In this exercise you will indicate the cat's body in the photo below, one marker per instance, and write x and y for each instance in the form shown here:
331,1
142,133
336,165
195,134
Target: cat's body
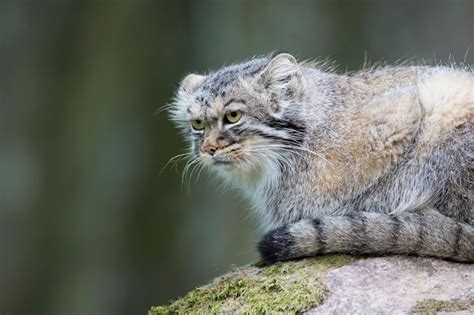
377,162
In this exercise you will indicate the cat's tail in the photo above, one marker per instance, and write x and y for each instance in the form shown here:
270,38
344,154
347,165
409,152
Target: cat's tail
424,233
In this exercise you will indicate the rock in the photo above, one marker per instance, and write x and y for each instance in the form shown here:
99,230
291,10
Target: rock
397,285
337,284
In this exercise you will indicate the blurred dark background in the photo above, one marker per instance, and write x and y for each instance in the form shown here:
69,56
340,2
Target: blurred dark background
88,223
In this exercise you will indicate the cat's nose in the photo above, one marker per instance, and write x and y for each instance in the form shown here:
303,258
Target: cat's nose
209,148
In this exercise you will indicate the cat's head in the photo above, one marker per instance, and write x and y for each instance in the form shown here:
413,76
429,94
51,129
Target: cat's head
244,117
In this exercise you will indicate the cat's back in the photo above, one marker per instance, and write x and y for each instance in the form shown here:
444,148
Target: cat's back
380,80
445,95
413,115
447,98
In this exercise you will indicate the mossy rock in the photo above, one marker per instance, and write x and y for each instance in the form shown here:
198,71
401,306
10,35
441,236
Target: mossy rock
336,285
290,287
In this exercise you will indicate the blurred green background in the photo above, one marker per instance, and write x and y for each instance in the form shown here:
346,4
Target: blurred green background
88,223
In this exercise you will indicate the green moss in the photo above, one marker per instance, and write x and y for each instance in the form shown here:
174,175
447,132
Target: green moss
321,263
283,287
331,261
433,306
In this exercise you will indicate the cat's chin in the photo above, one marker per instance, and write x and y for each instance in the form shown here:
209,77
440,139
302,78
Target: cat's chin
222,163
218,163
240,173
225,166
237,170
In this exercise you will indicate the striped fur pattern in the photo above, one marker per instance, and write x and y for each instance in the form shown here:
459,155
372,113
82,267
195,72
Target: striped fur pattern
375,162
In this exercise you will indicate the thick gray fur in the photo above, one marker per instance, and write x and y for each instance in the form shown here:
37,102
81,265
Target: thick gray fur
375,162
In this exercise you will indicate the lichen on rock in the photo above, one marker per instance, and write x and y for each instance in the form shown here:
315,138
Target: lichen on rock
293,287
432,306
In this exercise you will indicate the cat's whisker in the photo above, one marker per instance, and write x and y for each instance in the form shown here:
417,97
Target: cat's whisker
201,168
194,167
292,146
174,160
189,164
162,109
196,170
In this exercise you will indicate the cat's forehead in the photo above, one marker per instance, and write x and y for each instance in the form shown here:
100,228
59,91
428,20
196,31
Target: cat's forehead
206,107
212,96
218,83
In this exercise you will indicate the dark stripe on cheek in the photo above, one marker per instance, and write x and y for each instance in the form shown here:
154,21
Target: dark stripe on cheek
273,122
285,124
266,135
295,129
240,130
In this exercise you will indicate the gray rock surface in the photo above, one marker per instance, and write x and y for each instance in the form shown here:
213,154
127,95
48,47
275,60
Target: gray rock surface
394,285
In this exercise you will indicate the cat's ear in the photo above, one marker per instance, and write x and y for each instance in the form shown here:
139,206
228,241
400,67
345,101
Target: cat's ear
282,78
190,82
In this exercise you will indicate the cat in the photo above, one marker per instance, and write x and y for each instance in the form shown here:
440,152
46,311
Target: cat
376,162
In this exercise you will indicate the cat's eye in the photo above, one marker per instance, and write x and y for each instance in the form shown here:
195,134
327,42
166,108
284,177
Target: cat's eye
233,116
197,124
